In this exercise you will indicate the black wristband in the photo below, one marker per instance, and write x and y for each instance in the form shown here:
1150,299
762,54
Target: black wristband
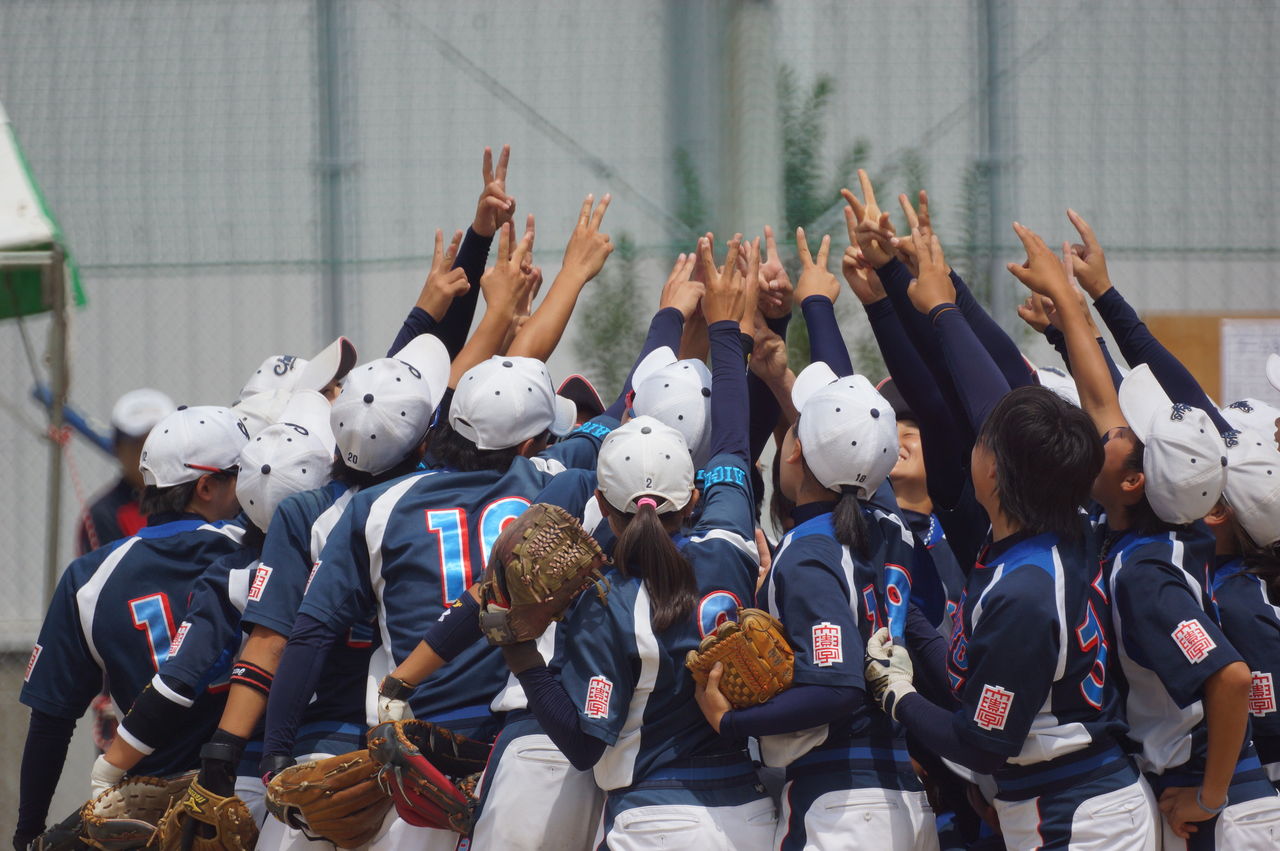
224,747
252,676
273,764
395,688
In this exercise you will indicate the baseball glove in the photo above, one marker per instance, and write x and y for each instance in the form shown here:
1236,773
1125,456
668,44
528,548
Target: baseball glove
337,799
758,662
66,835
429,772
125,815
233,826
538,565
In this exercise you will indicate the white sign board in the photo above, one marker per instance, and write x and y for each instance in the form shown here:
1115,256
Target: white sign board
1245,346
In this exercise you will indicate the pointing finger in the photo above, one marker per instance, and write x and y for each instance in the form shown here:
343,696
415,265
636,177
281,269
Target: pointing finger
503,159
802,246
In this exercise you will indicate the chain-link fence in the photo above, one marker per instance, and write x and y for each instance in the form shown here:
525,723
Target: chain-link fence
238,179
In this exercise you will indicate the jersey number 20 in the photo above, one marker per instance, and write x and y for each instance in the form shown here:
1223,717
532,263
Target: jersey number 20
450,527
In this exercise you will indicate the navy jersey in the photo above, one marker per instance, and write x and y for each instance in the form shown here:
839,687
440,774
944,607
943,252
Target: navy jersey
1251,623
1168,642
406,549
831,601
299,530
938,580
629,683
209,637
116,612
1028,659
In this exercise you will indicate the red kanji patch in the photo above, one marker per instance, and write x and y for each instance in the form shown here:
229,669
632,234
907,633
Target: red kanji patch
31,663
260,578
828,648
1262,694
599,690
178,638
1193,640
993,708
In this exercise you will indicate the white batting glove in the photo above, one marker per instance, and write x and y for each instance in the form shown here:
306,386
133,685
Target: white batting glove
889,671
393,709
103,775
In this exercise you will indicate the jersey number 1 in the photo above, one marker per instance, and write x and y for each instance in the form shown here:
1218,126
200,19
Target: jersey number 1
450,528
151,615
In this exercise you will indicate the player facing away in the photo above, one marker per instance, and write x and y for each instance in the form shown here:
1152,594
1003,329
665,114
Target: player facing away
293,455
622,701
849,780
116,610
1034,702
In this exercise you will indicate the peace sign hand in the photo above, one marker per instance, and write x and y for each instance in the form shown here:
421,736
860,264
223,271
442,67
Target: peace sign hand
495,207
588,248
815,278
932,285
868,226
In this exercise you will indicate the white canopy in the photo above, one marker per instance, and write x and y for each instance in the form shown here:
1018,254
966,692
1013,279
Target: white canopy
24,222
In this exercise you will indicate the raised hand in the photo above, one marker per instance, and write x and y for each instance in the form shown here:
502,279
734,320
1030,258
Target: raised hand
588,248
769,356
815,278
506,285
444,283
776,292
751,304
726,296
1087,260
862,279
905,248
932,285
1035,312
681,291
495,207
1042,272
868,225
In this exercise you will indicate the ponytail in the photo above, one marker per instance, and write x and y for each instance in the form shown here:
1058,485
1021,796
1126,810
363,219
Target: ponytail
645,549
849,524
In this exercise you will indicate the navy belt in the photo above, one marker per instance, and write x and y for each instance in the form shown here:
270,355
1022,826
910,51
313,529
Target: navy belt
1017,782
722,771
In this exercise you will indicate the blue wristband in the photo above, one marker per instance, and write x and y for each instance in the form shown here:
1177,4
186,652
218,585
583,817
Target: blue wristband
1226,799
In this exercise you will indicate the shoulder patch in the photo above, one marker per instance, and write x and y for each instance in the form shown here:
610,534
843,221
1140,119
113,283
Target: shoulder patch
993,708
31,663
599,689
1262,694
1193,640
828,648
260,579
178,637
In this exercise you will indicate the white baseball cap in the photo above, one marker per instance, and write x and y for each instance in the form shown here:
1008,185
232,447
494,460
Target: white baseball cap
504,401
386,405
190,443
291,456
289,372
847,430
1057,380
678,393
1251,414
645,457
261,409
1253,483
136,412
1185,460
1273,370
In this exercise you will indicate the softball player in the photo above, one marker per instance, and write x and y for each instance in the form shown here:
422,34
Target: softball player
115,611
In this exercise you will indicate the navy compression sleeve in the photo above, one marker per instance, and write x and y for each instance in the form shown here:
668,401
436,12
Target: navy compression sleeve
455,325
935,729
993,338
48,737
825,342
457,629
928,652
975,374
728,392
800,707
664,330
417,323
1138,345
558,716
764,407
295,681
1059,342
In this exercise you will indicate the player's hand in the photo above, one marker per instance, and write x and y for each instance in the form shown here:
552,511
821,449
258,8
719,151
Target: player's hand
1087,259
506,285
393,709
750,259
869,227
104,775
766,559
889,671
681,291
768,356
712,703
932,285
444,283
1042,271
1035,312
862,279
726,295
815,277
905,248
1181,809
588,248
776,292
495,207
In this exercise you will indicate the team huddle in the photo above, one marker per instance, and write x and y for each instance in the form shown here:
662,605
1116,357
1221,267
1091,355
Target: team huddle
434,600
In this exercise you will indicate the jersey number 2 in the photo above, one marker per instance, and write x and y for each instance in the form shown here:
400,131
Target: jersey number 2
450,528
151,615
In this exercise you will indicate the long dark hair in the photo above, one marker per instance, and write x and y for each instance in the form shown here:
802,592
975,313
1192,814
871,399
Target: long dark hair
459,453
645,549
849,525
